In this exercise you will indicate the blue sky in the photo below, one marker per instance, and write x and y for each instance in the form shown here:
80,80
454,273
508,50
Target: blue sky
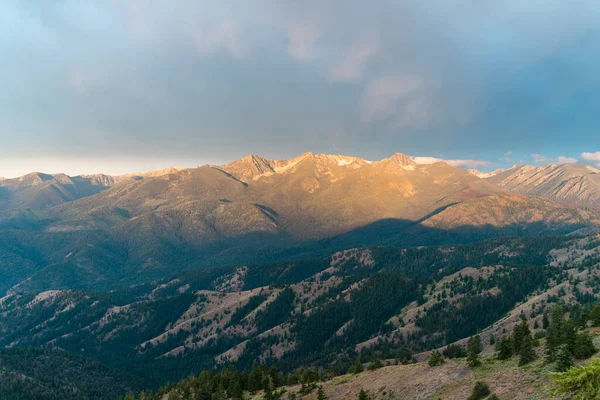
130,85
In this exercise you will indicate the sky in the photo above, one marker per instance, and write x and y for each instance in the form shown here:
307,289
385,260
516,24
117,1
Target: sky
119,86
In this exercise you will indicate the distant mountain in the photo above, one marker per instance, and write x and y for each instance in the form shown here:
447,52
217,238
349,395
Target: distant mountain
567,183
496,173
308,197
515,212
254,210
40,191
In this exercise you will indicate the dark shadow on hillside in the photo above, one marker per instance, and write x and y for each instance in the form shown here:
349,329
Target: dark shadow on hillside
100,260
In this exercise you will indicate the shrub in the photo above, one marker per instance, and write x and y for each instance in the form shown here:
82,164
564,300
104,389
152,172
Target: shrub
455,351
578,383
480,391
375,364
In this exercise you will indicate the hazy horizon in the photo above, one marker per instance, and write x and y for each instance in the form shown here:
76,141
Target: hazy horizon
116,167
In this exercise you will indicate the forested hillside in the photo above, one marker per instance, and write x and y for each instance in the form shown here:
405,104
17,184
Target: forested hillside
378,302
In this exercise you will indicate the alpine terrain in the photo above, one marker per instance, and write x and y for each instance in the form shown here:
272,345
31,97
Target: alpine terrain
282,276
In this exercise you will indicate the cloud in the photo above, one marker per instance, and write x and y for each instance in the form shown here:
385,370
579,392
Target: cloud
469,164
566,160
381,96
227,78
541,159
222,36
302,36
594,158
507,157
351,66
78,82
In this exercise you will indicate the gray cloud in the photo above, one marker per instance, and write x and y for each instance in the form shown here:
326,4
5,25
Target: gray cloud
215,80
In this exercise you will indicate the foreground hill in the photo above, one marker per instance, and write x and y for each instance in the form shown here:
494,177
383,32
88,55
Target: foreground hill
56,375
379,302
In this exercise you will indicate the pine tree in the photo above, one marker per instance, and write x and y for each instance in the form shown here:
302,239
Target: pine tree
375,364
595,315
435,359
569,334
235,389
584,347
321,393
363,395
473,354
475,341
554,333
526,352
564,360
173,395
454,351
504,348
269,395
356,368
255,379
519,332
480,391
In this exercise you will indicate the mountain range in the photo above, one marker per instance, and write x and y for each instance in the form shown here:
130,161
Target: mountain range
144,278
102,231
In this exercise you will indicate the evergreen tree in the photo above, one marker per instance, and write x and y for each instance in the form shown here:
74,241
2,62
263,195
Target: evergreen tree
526,352
584,347
564,360
520,331
554,333
504,348
545,321
569,334
173,395
475,341
455,351
321,393
480,391
363,395
356,368
255,379
595,315
473,354
375,364
435,359
269,395
235,390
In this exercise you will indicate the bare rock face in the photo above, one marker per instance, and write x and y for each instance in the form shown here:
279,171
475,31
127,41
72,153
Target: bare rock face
310,196
569,183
